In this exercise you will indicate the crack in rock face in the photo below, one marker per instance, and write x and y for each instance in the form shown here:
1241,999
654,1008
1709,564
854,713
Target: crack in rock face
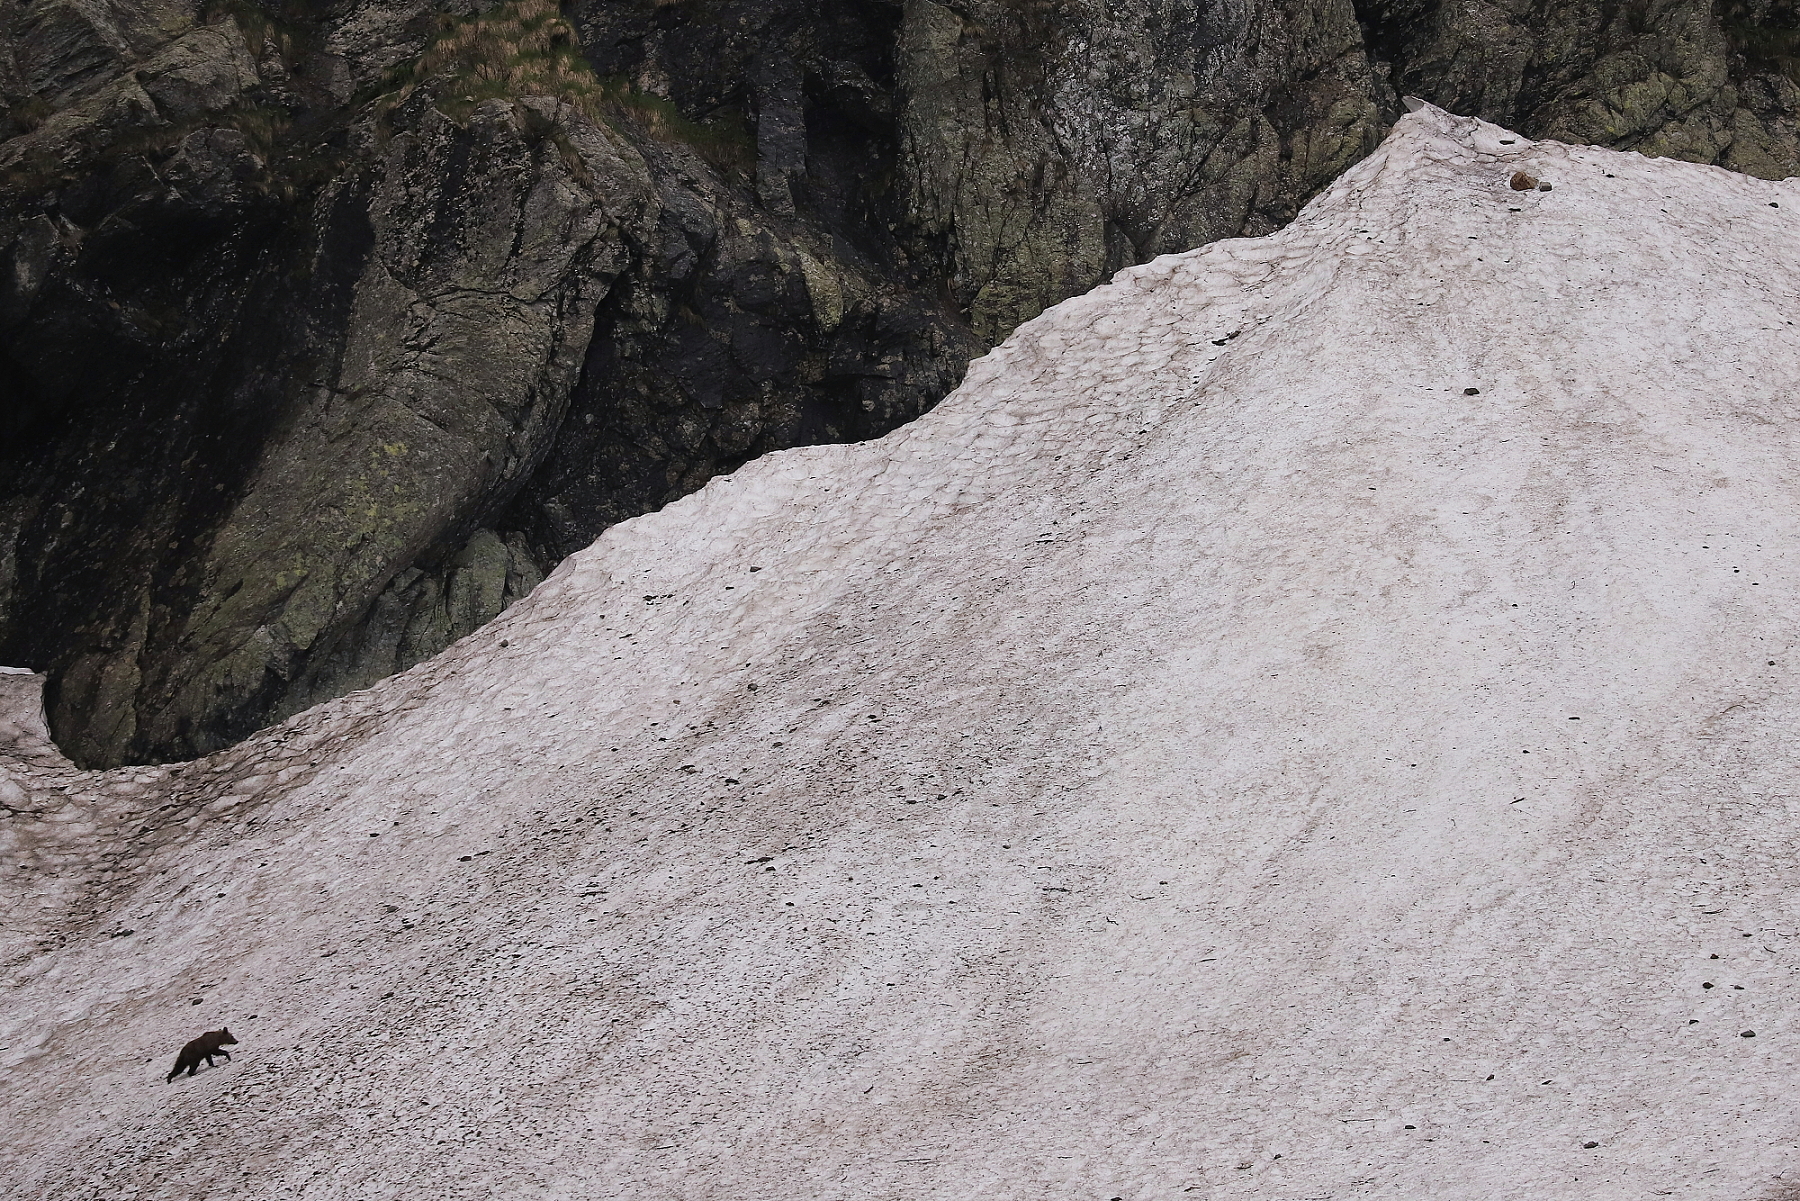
1291,718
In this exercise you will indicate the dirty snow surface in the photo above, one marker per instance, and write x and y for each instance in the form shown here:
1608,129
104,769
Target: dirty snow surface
1313,718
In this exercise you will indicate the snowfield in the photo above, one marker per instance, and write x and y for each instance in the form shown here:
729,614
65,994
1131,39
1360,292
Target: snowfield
1309,719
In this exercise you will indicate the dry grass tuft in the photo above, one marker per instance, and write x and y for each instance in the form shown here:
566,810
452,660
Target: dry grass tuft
522,48
527,48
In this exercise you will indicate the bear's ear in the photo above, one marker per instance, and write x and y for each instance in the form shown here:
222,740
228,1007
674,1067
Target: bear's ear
225,1030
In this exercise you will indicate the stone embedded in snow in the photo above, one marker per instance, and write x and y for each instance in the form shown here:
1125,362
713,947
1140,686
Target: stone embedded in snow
1136,744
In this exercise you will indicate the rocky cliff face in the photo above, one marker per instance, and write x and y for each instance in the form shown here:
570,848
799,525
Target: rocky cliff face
327,329
1710,83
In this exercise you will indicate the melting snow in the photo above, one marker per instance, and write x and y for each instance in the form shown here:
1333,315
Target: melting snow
1300,721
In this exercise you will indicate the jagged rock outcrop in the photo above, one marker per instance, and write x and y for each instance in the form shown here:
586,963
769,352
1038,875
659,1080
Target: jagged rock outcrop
1710,83
281,366
327,329
1048,145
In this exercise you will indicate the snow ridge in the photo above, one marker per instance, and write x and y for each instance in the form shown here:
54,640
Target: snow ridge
1300,720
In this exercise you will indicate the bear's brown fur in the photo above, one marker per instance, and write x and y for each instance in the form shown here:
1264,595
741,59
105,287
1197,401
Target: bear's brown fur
205,1047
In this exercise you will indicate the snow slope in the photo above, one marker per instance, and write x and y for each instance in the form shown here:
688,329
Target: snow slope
1216,753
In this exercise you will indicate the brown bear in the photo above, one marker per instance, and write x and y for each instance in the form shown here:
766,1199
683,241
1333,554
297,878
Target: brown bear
211,1043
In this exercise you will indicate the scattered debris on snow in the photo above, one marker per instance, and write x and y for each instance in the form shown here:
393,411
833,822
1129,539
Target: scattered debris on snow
1154,771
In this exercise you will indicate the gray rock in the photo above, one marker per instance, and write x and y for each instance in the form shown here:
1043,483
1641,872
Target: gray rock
1674,78
1045,148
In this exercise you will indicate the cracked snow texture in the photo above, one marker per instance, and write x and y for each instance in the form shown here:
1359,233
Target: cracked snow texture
1213,753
